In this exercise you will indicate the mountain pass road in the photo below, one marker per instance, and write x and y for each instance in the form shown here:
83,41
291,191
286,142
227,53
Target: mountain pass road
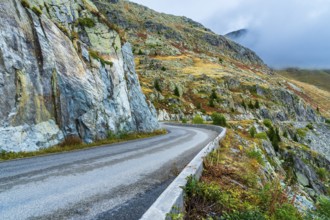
119,181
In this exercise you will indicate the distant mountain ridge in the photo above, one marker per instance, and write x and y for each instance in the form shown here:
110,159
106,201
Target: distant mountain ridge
236,35
162,34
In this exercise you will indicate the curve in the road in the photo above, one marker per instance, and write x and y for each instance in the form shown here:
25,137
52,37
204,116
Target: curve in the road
99,182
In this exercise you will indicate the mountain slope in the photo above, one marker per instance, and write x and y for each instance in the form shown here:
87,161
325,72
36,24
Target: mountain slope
187,70
64,74
314,83
161,34
318,78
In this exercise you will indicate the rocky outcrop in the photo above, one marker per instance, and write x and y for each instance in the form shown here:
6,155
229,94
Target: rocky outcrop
175,35
64,72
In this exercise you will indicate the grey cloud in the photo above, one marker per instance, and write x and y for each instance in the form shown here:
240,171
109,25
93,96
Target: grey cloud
283,33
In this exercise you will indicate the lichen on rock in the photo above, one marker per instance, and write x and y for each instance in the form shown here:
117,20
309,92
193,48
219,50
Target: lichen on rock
51,90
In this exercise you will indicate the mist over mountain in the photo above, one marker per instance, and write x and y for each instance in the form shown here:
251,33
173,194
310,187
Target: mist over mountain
283,33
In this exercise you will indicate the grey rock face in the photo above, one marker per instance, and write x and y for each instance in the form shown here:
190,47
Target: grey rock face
307,176
317,139
50,89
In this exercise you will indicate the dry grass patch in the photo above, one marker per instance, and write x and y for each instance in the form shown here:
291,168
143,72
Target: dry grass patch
315,96
233,187
73,143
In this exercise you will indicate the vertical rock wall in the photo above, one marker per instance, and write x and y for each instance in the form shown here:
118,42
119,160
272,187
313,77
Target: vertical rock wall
60,77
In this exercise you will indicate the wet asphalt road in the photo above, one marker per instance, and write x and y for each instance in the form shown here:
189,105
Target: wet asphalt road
118,181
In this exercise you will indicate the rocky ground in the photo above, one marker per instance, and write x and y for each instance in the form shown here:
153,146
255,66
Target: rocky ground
187,70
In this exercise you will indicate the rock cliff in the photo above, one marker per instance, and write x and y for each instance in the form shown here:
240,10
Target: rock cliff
64,72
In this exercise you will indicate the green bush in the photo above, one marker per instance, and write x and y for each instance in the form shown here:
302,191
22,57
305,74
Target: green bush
261,135
287,211
246,215
268,123
140,52
327,121
25,3
253,131
295,138
123,135
322,173
198,120
243,104
184,121
285,134
322,209
213,95
111,135
310,126
274,137
255,155
176,91
256,104
157,85
250,105
211,103
163,68
87,22
219,119
37,11
301,132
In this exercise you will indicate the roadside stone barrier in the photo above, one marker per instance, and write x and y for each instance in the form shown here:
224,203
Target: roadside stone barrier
172,199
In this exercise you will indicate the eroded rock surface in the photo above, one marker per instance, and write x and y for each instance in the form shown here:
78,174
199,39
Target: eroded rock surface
62,77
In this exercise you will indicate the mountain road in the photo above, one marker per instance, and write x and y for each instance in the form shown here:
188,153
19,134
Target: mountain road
119,181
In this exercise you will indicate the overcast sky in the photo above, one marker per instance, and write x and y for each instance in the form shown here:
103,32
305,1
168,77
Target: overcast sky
284,33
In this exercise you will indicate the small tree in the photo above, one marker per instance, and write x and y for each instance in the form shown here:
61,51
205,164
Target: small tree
244,105
256,104
176,91
198,120
213,95
218,119
268,123
211,103
157,85
274,137
253,131
251,106
285,134
295,138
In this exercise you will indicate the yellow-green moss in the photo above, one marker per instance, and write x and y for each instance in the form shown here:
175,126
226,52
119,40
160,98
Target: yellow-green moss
37,10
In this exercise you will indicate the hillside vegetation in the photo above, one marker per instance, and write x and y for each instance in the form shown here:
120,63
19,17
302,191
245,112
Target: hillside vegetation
315,84
276,127
318,78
